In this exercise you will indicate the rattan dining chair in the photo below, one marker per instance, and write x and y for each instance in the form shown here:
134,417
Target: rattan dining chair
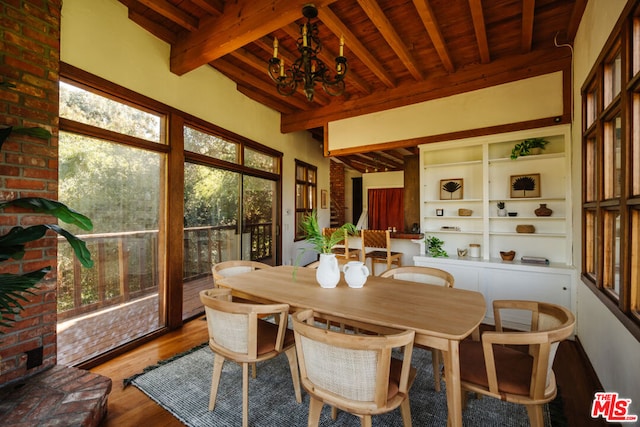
380,242
231,268
431,276
237,333
353,372
493,367
342,249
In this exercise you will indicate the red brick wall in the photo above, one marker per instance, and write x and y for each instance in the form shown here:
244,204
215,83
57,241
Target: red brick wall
336,190
29,58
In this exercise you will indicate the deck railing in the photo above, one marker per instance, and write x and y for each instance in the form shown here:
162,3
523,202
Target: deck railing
126,264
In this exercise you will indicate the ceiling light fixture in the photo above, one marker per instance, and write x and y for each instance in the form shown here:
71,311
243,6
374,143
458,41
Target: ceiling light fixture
308,69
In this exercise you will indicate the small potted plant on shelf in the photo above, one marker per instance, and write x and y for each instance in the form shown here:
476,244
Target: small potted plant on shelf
434,247
328,273
528,147
501,210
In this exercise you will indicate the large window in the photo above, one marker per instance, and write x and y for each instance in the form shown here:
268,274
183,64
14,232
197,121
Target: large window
611,173
306,193
110,169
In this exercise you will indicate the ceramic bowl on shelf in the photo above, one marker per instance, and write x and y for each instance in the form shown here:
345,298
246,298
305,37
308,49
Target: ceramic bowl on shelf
513,214
507,255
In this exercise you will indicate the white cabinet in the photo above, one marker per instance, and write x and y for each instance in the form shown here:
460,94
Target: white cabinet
487,174
505,280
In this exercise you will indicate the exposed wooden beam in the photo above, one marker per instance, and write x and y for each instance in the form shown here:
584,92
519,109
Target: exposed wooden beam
327,56
499,71
249,79
480,29
352,42
377,16
242,22
171,12
159,31
574,21
528,10
432,27
214,7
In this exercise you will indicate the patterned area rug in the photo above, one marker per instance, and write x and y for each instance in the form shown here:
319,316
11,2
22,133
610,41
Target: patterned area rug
181,385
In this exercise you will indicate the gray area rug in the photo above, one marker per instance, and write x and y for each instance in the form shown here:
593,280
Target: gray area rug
182,384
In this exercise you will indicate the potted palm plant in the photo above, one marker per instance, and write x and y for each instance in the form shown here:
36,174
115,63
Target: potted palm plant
528,147
328,273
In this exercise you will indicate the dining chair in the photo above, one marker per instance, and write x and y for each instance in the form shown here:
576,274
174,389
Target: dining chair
497,366
237,333
342,249
431,276
233,267
380,241
353,372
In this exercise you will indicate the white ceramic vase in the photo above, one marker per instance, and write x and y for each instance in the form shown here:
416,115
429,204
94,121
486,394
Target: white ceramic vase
355,274
328,272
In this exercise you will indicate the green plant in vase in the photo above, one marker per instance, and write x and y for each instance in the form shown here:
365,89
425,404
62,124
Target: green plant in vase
527,147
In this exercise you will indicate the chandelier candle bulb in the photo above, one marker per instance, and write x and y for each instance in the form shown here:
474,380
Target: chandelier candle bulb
304,35
282,68
342,45
275,47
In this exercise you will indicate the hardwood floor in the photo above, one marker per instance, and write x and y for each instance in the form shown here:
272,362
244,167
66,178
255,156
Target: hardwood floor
130,407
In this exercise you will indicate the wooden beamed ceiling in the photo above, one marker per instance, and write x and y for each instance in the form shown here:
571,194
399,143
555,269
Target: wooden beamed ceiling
399,52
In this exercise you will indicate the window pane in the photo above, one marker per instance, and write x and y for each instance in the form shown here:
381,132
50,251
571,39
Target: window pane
635,262
120,189
590,258
612,78
635,147
311,175
260,208
300,173
612,159
590,172
209,145
257,160
591,107
611,272
95,110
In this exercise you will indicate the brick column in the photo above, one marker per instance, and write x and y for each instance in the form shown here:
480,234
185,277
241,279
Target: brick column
30,46
336,191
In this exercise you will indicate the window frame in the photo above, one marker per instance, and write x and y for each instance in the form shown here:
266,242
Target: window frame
307,205
610,256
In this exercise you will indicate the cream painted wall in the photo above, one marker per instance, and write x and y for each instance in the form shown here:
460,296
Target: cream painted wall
98,37
529,99
612,350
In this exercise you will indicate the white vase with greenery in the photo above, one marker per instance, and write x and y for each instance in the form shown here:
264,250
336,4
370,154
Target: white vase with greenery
328,272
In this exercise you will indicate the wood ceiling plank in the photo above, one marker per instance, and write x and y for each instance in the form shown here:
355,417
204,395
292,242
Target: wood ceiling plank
497,72
377,16
432,27
250,80
574,21
242,22
160,31
528,10
173,13
213,7
353,43
480,29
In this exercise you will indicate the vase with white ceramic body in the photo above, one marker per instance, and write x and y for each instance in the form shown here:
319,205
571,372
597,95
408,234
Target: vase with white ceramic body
355,274
328,272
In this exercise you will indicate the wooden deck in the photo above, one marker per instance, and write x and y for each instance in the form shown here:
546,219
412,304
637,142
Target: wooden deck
90,335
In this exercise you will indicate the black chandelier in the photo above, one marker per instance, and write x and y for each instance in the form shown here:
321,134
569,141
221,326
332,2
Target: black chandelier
308,69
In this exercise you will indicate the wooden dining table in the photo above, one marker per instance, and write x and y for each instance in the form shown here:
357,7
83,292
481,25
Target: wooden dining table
441,317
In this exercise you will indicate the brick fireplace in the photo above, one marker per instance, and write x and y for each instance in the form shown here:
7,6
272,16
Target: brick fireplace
30,45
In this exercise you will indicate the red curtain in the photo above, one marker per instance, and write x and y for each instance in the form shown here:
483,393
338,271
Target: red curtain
386,208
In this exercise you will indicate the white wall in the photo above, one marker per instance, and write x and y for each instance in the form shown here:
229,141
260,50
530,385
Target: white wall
612,350
534,98
98,37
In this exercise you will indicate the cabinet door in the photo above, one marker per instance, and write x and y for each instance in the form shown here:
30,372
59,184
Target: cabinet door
525,285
